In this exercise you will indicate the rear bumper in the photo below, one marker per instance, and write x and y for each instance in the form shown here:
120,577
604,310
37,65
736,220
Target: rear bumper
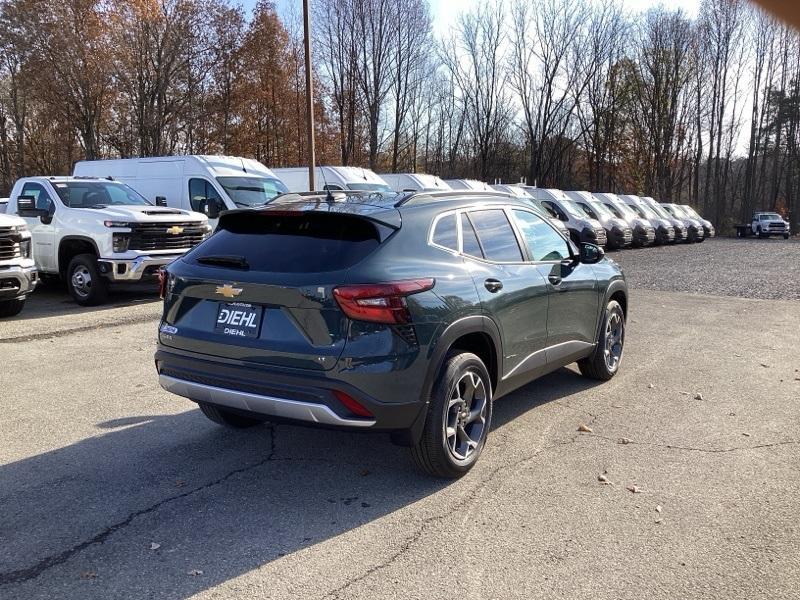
134,269
297,396
17,282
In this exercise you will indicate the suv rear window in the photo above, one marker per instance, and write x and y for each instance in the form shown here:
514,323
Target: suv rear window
301,243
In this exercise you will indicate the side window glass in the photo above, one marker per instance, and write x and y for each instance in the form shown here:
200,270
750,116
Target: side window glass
469,239
446,233
544,243
496,235
556,209
588,210
43,201
199,190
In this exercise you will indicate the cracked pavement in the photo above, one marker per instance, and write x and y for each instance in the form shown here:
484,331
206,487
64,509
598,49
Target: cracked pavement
99,465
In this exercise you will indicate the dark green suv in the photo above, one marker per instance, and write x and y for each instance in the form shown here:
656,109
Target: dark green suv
408,313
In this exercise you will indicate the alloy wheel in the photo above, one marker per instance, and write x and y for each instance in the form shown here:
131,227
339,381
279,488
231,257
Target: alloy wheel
615,337
465,422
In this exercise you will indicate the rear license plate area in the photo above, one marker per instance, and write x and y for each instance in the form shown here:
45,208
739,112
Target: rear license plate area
238,319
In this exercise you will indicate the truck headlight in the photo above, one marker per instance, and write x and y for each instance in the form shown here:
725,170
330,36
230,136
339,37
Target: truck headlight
25,248
19,228
116,224
120,242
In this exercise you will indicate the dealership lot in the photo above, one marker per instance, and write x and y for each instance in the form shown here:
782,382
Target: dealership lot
110,487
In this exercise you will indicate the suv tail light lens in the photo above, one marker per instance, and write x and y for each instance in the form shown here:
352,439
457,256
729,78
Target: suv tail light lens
162,283
380,302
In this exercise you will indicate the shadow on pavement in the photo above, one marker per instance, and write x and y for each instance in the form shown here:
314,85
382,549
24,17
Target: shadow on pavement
216,500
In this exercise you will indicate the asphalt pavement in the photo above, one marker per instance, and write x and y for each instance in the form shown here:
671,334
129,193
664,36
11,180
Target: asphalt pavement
112,488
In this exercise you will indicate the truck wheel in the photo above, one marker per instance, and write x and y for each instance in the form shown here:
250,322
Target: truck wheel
758,232
86,286
786,236
458,419
603,363
228,418
10,308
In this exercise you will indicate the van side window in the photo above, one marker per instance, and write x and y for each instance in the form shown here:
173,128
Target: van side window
43,200
556,209
199,190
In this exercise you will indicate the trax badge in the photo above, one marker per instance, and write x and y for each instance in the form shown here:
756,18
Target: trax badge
228,290
175,230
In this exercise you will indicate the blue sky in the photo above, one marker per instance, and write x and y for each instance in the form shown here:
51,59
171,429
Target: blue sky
446,11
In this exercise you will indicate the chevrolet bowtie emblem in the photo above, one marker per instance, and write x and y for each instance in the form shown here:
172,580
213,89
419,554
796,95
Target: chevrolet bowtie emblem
228,291
175,230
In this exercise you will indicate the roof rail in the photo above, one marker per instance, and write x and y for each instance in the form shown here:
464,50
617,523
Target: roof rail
445,194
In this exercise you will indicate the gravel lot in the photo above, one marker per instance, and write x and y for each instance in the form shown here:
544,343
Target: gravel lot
112,488
747,268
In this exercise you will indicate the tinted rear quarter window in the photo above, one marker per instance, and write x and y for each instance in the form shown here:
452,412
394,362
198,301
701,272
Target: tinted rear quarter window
496,235
304,243
445,233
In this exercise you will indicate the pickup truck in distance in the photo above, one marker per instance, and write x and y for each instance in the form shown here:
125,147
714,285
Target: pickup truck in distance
18,275
95,232
764,224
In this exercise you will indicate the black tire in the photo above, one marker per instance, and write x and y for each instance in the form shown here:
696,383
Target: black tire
84,282
759,233
596,365
433,454
11,308
786,236
228,418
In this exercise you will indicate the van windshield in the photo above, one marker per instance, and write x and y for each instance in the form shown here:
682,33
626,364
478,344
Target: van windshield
369,187
97,194
252,191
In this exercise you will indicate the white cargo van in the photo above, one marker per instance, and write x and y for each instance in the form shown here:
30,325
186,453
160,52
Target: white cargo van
414,182
468,184
206,184
333,178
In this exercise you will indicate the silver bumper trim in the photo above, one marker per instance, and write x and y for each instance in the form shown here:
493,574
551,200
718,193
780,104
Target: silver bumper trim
135,267
264,405
27,278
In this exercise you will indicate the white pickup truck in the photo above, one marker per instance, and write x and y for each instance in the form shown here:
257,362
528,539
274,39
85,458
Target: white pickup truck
18,275
763,225
92,232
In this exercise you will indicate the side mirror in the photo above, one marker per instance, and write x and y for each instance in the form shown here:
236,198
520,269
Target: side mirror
591,254
161,201
26,207
210,207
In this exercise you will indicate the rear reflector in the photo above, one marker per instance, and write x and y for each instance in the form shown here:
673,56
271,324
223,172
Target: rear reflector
380,302
351,404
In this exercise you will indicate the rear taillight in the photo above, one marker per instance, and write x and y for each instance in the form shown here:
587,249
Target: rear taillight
380,302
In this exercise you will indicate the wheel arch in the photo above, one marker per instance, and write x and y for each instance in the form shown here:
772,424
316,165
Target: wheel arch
475,333
71,246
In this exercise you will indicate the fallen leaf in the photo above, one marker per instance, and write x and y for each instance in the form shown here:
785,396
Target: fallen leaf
698,396
765,365
658,508
154,546
623,440
364,472
180,483
602,479
634,489
584,428
658,521
88,575
194,572
650,385
746,434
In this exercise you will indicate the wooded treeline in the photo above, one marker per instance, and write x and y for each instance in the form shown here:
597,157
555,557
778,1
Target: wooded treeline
574,94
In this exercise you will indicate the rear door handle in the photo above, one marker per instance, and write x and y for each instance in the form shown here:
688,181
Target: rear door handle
493,285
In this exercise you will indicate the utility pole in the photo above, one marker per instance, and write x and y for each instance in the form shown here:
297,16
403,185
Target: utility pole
309,97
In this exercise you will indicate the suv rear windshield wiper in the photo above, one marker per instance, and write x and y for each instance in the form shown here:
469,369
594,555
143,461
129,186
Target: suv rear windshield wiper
238,262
